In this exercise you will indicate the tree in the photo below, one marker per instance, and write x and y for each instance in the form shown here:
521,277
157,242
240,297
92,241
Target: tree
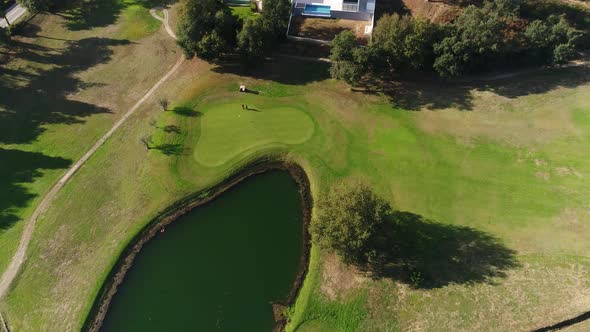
342,46
475,40
553,41
404,42
206,28
346,219
253,39
275,16
348,59
211,46
36,6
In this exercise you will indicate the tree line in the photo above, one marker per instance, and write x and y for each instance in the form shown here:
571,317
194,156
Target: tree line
490,36
208,29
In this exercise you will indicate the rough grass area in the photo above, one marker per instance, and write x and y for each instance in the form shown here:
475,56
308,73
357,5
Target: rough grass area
504,160
68,80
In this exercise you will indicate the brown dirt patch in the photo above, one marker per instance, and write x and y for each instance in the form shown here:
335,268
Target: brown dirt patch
435,11
325,28
339,279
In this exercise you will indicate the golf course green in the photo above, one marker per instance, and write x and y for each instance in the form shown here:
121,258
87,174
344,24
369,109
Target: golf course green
279,127
220,267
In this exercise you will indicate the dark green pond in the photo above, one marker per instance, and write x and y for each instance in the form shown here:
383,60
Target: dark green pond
219,267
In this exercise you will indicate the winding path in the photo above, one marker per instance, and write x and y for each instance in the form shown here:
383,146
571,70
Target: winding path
19,256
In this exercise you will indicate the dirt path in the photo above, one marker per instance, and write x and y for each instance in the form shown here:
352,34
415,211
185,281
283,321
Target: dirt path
164,19
19,256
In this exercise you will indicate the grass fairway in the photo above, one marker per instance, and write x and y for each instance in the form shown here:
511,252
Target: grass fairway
507,160
228,131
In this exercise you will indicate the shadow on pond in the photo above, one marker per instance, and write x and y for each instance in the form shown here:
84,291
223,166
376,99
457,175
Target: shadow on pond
426,254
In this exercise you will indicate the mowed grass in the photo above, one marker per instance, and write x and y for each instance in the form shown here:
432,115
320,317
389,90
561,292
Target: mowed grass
228,131
243,12
136,21
68,80
508,160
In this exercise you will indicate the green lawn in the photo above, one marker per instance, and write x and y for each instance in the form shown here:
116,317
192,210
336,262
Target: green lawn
243,12
227,131
509,160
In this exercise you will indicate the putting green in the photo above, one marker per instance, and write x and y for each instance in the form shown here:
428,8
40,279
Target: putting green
227,131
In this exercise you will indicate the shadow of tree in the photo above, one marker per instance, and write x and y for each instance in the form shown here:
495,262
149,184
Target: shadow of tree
388,7
427,254
542,82
435,94
89,14
28,101
281,70
169,149
414,96
17,168
186,111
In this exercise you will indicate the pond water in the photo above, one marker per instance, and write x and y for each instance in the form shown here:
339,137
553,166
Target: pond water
220,267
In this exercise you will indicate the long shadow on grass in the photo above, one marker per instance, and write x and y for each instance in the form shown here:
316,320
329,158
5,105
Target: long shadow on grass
17,168
415,96
433,94
89,14
281,70
186,111
426,254
31,100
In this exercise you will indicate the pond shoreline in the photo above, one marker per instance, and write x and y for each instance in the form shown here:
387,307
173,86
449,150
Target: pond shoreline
110,286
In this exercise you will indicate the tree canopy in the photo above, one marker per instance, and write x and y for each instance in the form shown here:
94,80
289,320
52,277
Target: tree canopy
275,16
206,28
489,35
37,6
349,61
346,219
404,42
253,40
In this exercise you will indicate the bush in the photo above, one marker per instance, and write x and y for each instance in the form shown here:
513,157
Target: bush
347,217
253,7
